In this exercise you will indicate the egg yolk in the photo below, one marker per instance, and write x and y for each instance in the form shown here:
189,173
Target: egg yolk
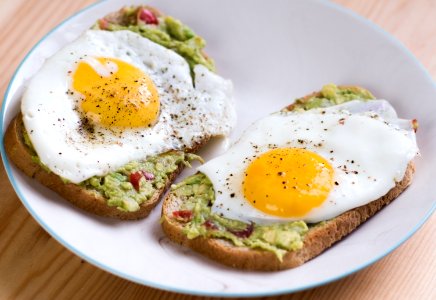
288,182
115,93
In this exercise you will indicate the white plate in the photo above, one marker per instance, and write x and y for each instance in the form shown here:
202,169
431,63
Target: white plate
273,52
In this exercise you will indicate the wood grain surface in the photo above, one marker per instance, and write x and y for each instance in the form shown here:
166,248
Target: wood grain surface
35,266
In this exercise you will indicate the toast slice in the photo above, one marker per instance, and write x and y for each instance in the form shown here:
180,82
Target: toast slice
317,239
146,21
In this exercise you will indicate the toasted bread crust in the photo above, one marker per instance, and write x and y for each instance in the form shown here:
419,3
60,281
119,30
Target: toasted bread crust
318,239
89,200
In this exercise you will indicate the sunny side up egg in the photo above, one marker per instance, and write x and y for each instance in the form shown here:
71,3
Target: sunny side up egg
312,165
109,98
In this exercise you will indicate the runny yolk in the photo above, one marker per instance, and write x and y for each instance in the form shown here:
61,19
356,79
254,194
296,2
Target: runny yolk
288,182
115,93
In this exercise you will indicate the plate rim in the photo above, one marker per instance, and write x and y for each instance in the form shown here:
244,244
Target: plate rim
153,284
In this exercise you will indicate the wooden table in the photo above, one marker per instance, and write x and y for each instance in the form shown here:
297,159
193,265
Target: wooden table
35,266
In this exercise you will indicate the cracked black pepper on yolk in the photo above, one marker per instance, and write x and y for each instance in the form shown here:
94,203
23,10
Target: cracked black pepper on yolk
125,97
288,182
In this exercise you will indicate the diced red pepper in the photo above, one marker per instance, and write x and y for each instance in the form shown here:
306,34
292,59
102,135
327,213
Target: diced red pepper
103,24
244,233
415,125
135,179
148,175
185,215
147,16
210,225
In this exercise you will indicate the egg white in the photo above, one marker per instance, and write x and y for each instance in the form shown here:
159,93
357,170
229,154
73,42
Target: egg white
368,155
201,109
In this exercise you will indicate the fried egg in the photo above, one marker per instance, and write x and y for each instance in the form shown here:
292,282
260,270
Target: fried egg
312,165
109,98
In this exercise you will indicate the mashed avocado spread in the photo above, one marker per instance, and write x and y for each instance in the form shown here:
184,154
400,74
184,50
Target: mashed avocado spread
330,95
136,182
198,196
163,30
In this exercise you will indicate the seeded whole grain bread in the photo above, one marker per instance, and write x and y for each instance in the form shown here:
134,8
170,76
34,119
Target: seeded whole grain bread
21,155
316,240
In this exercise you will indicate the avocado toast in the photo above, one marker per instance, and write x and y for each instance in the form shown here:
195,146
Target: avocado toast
131,191
187,218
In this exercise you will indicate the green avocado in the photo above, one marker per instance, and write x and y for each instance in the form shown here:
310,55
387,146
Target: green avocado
198,196
119,188
331,94
169,33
